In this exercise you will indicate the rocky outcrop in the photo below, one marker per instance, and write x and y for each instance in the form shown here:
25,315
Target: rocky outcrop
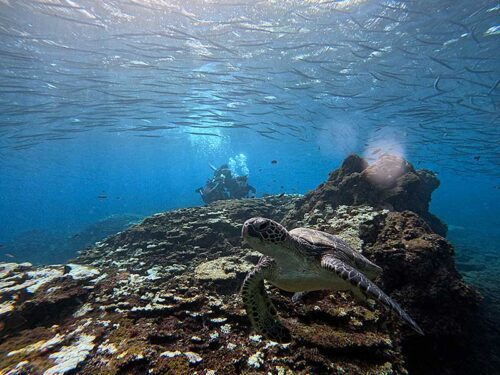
419,269
163,296
172,242
390,182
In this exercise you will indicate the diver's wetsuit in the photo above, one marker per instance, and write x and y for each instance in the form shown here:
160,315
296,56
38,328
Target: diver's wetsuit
224,186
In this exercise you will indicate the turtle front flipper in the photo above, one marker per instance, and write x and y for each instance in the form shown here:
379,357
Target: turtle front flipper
260,310
357,279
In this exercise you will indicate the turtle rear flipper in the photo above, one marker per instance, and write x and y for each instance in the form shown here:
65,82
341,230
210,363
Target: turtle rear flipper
260,310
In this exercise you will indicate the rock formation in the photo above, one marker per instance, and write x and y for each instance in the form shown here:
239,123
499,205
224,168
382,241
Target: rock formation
163,296
391,182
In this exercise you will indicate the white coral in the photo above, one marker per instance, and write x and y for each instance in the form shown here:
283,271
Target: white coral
256,360
69,357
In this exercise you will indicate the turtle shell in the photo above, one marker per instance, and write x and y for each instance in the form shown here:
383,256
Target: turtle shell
331,244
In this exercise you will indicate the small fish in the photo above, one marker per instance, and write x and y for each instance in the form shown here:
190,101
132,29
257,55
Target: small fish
436,83
477,157
208,134
267,136
478,71
9,255
102,196
495,85
441,62
274,161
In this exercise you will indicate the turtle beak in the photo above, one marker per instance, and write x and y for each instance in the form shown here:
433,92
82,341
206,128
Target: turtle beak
252,232
248,231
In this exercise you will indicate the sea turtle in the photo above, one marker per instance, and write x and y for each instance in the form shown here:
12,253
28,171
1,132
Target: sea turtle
304,260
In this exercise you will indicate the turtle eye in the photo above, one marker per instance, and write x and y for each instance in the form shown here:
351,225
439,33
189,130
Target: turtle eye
264,225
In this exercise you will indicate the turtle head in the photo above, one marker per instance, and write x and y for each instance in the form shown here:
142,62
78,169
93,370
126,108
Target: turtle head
264,235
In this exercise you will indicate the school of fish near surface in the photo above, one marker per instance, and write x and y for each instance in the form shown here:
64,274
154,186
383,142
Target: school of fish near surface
423,75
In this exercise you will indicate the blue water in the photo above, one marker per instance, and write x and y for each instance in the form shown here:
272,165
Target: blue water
138,176
60,192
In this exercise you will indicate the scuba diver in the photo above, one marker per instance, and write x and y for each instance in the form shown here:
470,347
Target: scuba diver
239,188
212,191
223,185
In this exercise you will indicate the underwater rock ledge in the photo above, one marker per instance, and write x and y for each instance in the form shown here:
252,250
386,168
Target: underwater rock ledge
163,296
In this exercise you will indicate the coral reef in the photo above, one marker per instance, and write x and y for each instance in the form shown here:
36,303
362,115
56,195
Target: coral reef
163,296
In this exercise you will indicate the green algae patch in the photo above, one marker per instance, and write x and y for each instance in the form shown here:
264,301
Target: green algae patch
177,365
